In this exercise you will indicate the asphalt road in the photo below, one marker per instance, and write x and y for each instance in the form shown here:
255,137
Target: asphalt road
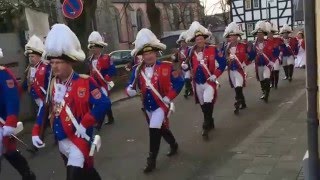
125,144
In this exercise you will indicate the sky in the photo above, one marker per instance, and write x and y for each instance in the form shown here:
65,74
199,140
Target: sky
209,8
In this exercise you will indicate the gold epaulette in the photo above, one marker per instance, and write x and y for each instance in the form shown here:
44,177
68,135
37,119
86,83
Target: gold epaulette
84,76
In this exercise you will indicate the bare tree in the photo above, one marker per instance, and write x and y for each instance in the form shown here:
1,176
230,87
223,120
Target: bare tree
154,17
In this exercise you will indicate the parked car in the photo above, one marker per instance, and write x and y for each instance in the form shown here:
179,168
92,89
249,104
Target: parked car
121,57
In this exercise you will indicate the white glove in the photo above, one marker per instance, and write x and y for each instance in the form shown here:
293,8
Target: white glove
39,102
166,100
232,56
173,57
81,132
37,142
184,66
8,130
131,92
212,78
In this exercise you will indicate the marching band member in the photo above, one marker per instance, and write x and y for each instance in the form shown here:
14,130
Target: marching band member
159,85
263,52
9,111
76,104
202,61
101,68
290,50
237,58
277,42
301,56
181,56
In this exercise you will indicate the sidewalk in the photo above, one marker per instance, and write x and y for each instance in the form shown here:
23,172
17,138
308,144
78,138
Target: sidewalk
273,151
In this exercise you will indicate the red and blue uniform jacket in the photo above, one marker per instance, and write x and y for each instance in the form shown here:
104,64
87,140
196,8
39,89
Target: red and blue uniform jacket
165,80
262,57
105,67
40,82
9,105
237,64
9,95
87,104
211,55
291,48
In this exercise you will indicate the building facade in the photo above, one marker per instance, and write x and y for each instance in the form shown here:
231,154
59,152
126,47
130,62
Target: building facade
124,18
248,12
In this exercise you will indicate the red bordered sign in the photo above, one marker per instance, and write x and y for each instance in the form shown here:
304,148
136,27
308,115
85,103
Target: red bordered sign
72,9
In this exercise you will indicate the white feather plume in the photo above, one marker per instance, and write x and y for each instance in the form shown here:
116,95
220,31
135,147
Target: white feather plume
285,28
146,37
34,44
96,38
260,26
232,29
182,37
61,40
196,27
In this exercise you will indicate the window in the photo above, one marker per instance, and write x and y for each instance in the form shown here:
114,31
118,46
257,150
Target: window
256,4
247,4
249,28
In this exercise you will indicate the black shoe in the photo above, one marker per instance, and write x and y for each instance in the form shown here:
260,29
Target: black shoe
290,79
109,122
236,111
243,106
237,107
29,176
263,96
285,78
151,165
20,164
173,150
205,134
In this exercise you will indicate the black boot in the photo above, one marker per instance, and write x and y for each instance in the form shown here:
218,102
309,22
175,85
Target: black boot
262,85
285,68
110,118
243,104
238,99
151,163
290,72
169,138
92,174
276,79
267,90
155,139
272,79
208,123
20,164
188,88
75,173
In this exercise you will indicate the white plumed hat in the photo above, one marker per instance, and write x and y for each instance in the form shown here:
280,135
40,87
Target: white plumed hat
285,29
182,37
34,46
232,29
195,30
146,41
260,27
95,39
62,43
271,27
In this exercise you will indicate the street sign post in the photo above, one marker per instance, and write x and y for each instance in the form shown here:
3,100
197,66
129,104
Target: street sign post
72,8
